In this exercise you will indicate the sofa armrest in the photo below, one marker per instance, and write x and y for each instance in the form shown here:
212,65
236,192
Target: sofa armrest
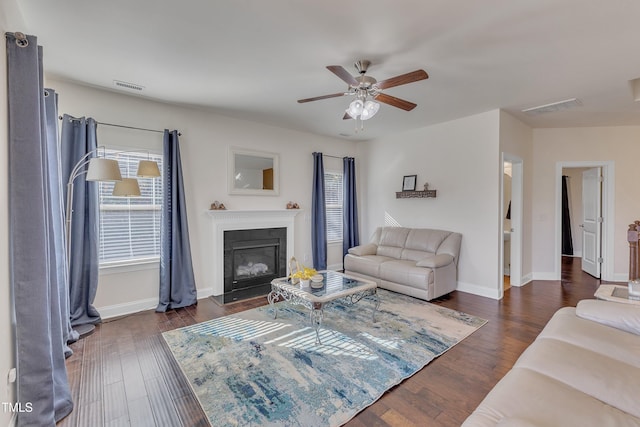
368,249
617,315
436,261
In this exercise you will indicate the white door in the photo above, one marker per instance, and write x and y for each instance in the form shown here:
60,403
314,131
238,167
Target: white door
592,221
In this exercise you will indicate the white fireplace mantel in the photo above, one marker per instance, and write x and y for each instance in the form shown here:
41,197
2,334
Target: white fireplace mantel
224,220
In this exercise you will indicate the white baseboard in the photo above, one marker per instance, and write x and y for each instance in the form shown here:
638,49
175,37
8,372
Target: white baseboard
620,277
116,310
205,293
617,277
478,290
526,279
546,275
335,267
131,307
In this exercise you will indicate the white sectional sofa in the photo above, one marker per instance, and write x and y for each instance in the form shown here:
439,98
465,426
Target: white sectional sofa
582,370
419,262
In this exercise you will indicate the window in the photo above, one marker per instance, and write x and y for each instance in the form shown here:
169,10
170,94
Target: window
333,201
130,226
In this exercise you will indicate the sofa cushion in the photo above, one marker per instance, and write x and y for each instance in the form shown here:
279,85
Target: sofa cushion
613,382
618,315
567,326
529,395
576,372
435,261
392,240
368,249
425,240
368,264
406,273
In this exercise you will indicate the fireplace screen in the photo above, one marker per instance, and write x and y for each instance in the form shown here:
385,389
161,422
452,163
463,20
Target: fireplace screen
252,259
254,262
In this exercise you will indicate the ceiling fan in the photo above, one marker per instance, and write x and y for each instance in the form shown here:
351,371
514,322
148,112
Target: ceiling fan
364,87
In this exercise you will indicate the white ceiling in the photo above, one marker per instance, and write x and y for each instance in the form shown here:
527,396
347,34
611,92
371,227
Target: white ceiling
254,58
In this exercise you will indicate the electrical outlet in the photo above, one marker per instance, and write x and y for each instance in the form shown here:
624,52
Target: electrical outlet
12,375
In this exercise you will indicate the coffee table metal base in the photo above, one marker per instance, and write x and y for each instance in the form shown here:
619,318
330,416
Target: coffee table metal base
316,309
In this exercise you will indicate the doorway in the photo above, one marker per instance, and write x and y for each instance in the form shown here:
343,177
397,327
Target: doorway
572,212
511,222
595,253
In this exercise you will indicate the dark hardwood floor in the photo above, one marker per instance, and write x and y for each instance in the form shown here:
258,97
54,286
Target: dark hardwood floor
123,375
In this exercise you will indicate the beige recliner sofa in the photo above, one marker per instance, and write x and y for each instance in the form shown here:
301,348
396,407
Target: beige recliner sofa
582,370
419,262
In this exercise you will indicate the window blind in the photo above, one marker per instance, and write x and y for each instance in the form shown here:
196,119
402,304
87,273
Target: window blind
333,201
130,226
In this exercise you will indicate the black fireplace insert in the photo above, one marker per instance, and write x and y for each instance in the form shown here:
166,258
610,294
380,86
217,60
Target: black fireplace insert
252,259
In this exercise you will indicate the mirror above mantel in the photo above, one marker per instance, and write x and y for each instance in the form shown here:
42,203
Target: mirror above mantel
252,172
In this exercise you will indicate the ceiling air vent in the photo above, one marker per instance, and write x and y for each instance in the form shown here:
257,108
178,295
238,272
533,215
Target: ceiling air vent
555,106
130,86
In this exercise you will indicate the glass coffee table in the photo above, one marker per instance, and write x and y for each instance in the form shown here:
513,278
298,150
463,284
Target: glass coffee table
334,287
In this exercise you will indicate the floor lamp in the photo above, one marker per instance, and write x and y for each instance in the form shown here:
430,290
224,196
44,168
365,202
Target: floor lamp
102,169
96,169
128,187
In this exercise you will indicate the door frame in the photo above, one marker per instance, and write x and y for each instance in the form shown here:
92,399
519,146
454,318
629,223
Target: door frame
608,215
517,190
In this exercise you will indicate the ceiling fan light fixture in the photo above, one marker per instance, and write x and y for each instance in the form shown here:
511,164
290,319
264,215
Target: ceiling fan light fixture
370,109
355,108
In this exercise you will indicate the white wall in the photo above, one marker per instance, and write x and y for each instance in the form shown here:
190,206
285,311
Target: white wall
10,21
204,143
550,146
459,159
516,139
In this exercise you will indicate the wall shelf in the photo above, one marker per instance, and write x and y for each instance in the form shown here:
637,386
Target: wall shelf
415,194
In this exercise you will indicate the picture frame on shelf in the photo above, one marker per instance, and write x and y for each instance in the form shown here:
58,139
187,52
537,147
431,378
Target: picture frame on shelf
409,183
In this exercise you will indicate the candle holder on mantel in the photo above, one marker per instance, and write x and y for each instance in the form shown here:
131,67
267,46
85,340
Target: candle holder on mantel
217,206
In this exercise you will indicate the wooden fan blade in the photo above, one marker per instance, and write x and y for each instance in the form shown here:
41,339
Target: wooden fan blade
333,95
403,79
343,74
396,102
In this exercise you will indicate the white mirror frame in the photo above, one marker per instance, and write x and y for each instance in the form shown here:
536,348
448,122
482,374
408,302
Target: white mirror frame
231,172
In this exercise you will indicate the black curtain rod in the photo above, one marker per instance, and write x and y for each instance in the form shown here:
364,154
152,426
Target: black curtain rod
335,157
126,127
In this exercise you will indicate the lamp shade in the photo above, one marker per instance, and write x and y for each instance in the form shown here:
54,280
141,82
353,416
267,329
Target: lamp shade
128,187
101,169
370,109
148,169
355,108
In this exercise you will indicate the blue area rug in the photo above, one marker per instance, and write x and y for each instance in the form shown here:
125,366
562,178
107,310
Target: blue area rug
250,369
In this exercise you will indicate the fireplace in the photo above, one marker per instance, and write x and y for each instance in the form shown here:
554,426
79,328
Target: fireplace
232,220
252,259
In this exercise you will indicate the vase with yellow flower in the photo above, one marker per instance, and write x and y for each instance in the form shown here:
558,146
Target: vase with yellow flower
304,275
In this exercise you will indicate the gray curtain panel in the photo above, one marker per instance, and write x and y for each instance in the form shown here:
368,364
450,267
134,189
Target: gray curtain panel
78,137
57,218
36,233
350,234
177,282
318,215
